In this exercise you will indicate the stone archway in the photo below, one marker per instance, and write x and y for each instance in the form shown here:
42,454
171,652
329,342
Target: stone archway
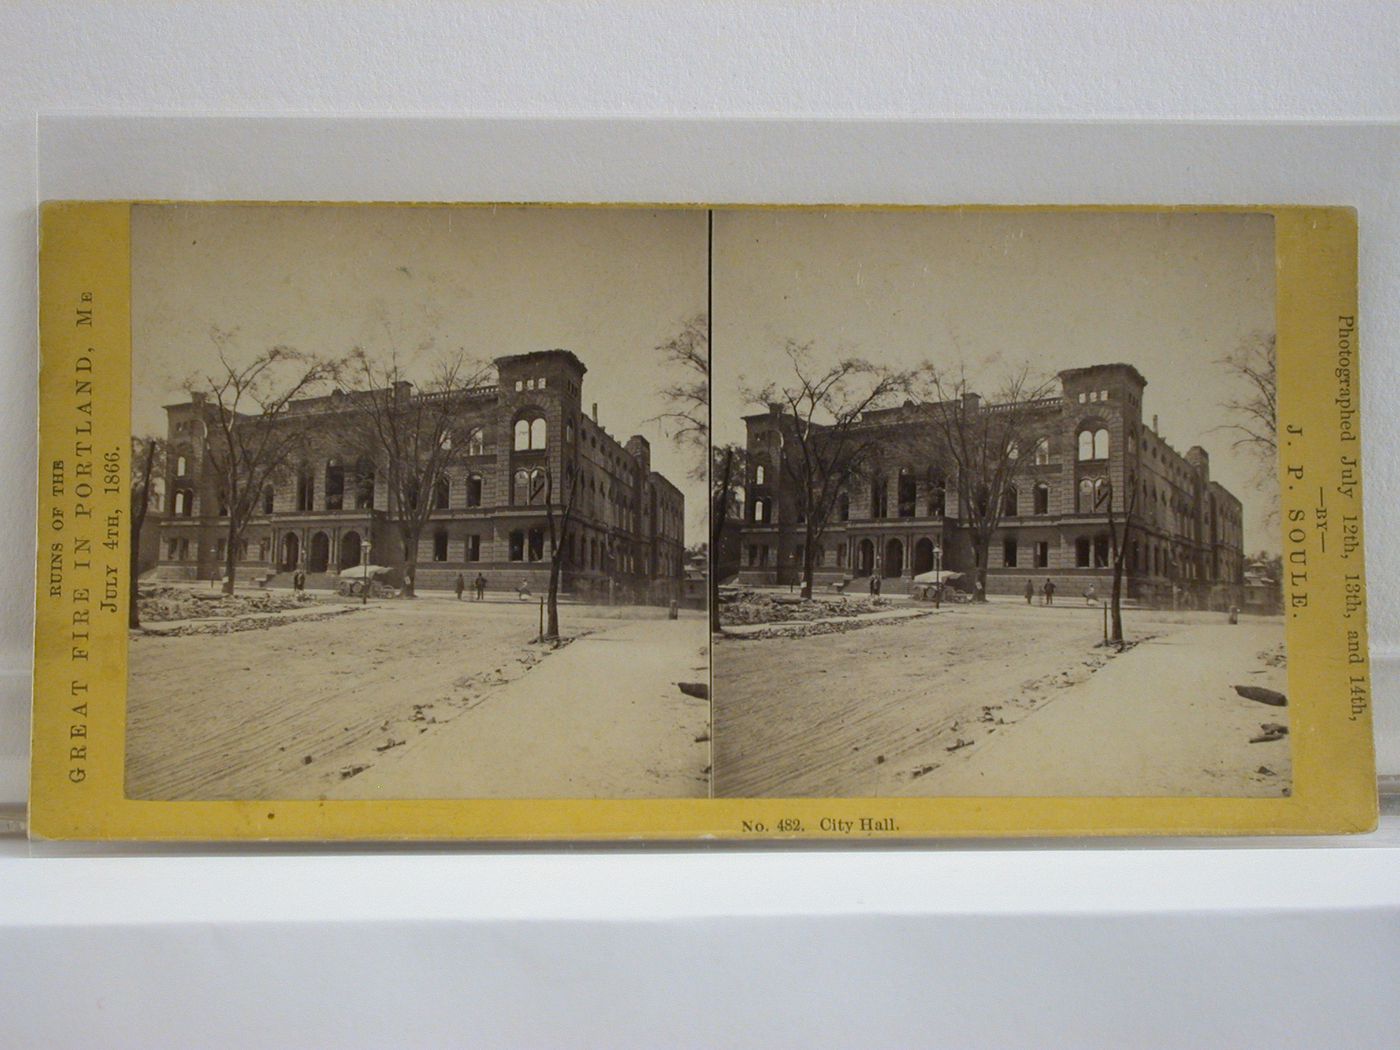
865,558
318,558
923,556
291,552
894,559
349,550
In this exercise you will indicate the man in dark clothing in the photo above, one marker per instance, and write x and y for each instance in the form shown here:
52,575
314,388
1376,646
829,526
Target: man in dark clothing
459,586
480,587
1030,591
1049,591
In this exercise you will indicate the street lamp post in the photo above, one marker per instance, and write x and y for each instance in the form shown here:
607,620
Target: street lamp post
364,572
937,577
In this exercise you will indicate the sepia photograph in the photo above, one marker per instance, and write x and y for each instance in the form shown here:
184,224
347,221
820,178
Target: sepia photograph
995,505
418,503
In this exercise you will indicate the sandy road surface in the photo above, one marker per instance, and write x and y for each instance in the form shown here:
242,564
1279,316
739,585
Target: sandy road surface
601,718
296,710
901,708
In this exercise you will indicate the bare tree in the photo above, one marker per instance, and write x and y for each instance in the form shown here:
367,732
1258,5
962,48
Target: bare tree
559,541
1255,364
687,417
728,468
824,445
146,453
250,437
985,447
1119,533
413,434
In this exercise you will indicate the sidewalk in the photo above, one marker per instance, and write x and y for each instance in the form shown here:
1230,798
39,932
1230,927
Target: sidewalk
601,718
1123,731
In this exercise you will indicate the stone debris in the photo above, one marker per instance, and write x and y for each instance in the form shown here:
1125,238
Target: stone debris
746,607
159,604
961,743
699,690
1264,696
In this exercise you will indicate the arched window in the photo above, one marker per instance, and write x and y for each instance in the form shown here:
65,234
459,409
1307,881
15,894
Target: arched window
1010,502
181,466
530,434
758,474
521,493
442,494
267,500
473,490
181,505
537,486
879,498
1086,496
1086,445
476,442
1041,455
1101,492
937,492
760,510
1101,444
1041,499
905,494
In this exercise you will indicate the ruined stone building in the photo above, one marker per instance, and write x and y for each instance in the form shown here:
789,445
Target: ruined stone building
901,517
330,509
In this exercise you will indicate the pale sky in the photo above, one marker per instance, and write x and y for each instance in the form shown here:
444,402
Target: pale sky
608,284
1168,293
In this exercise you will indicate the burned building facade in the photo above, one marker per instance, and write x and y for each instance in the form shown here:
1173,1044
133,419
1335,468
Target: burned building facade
901,517
329,508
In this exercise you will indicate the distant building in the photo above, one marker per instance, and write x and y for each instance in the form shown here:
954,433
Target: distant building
330,510
1186,543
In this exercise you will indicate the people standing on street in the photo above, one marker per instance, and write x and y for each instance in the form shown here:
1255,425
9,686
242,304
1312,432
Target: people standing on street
1089,595
523,590
480,587
1030,591
1049,591
459,586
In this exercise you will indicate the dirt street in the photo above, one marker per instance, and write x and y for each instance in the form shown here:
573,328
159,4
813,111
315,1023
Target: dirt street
307,709
1002,699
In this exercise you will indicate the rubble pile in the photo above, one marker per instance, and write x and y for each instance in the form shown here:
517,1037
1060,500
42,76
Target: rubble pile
748,607
161,604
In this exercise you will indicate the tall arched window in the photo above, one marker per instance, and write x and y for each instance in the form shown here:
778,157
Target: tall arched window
1010,503
474,490
476,442
1101,444
937,491
521,493
760,510
181,466
537,433
1041,455
1086,496
537,486
758,474
1086,445
1042,498
442,492
522,435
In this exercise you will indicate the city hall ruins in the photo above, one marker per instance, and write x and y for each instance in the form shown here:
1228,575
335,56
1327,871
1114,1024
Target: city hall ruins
331,510
901,518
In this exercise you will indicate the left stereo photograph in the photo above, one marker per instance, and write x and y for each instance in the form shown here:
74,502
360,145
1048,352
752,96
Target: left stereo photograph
497,412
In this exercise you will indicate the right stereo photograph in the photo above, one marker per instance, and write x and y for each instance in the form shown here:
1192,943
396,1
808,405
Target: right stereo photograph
996,504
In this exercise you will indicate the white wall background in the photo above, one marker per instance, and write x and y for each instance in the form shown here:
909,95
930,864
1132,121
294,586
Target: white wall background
1116,978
